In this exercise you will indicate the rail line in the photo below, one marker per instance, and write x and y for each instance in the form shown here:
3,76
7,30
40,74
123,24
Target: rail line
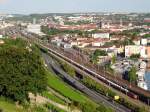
86,69
131,93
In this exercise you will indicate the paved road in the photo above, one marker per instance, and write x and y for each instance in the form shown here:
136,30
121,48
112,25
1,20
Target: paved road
92,94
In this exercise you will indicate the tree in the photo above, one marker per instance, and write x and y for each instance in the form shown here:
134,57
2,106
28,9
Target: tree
135,56
97,53
127,42
113,60
132,75
107,44
146,36
100,53
21,70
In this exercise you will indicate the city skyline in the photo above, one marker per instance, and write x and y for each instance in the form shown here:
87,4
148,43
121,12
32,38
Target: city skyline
68,6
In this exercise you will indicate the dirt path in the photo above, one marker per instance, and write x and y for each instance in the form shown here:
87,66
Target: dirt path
58,95
42,100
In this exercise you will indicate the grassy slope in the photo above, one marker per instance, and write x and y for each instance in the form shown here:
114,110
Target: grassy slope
53,97
58,85
9,107
67,91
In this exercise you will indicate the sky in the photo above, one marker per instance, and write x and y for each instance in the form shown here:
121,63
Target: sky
68,6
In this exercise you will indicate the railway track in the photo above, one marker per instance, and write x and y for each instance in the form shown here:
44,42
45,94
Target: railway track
119,84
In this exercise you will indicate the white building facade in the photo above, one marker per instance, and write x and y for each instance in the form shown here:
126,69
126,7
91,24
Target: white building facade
135,49
101,35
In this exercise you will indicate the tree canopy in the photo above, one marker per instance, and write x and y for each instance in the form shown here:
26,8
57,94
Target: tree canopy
100,53
135,56
21,70
97,53
146,36
132,75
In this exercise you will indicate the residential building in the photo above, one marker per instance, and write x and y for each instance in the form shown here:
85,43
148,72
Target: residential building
143,85
135,49
1,36
103,59
140,75
97,42
65,45
35,28
137,41
1,42
144,41
101,35
148,51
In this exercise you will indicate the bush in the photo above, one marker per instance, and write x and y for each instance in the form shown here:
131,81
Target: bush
40,109
97,53
132,75
87,107
67,68
135,56
53,108
133,107
102,108
98,87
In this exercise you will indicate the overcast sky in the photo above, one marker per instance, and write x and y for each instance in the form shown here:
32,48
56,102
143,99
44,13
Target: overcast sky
53,6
